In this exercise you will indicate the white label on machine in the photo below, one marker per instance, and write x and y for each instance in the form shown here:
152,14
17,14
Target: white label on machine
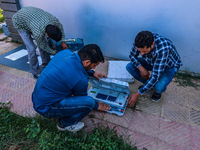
17,55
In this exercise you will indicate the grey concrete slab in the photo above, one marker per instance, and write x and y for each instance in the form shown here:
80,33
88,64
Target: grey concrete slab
175,112
194,117
145,104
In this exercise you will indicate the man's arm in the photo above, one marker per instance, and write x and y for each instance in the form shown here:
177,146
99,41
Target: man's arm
133,99
43,44
133,57
144,72
134,60
97,75
158,69
63,43
80,89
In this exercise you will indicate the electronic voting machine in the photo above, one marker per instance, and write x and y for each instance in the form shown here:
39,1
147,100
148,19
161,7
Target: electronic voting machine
111,92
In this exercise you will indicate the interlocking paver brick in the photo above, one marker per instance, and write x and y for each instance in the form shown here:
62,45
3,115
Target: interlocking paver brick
194,100
171,124
175,133
195,117
91,123
22,103
162,145
6,95
176,112
195,138
174,94
146,105
119,129
141,140
145,123
123,121
28,90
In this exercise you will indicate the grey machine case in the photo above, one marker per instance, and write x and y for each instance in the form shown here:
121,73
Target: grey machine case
111,92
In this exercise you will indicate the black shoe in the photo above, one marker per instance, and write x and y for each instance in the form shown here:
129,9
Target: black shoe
140,87
35,76
44,65
156,97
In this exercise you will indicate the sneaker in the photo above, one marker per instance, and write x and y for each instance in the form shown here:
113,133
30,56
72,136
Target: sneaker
156,97
35,76
72,128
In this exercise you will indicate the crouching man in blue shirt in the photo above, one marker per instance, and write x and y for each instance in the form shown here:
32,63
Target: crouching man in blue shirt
61,89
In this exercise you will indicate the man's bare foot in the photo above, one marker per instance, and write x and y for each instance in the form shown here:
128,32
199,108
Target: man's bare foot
103,107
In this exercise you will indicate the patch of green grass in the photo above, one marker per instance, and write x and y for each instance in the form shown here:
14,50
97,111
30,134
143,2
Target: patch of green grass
40,133
1,30
91,116
1,16
186,79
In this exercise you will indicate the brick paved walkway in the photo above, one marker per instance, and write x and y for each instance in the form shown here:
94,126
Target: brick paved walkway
171,124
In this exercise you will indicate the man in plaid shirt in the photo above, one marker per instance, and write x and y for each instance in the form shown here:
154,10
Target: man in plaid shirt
32,21
159,55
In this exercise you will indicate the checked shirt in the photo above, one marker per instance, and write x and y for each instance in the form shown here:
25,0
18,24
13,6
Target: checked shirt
162,55
35,20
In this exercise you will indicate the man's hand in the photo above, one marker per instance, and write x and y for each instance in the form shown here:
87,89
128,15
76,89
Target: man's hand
98,74
133,99
64,45
103,107
54,53
144,73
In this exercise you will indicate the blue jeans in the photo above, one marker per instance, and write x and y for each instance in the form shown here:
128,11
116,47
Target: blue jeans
71,110
164,80
32,57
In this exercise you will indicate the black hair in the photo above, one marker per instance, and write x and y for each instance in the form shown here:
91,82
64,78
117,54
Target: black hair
54,32
91,52
144,38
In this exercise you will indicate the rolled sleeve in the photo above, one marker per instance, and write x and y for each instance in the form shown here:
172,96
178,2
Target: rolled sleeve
91,73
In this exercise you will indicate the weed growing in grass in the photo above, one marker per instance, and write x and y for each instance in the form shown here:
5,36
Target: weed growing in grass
40,133
186,79
1,30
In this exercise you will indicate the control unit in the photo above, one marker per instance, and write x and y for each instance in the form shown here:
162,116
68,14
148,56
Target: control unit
111,92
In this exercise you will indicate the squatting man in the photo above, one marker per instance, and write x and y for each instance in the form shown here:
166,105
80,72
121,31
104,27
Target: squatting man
61,89
160,56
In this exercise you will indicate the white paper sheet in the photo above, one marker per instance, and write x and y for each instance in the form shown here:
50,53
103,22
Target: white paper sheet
17,55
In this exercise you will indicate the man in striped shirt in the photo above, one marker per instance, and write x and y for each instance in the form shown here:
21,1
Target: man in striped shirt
159,55
32,21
